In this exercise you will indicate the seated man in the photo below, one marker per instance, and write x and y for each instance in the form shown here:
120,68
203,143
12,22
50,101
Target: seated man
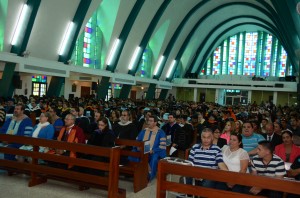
69,133
125,129
207,155
267,164
19,124
157,139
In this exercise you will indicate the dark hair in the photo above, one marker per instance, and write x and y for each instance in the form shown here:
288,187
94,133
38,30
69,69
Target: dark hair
280,125
171,114
249,123
154,117
105,121
267,144
239,136
213,128
207,130
290,133
76,109
22,106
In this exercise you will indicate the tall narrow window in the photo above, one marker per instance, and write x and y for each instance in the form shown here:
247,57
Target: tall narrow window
87,52
232,55
282,63
268,53
250,54
216,61
144,69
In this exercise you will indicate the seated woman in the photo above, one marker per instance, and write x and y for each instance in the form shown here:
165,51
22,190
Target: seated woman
228,129
42,130
287,151
220,142
238,126
236,160
104,137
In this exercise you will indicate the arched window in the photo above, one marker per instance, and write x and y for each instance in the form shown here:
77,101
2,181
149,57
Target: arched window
144,69
249,54
87,52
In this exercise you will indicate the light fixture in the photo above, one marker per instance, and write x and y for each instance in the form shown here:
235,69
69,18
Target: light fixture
21,24
171,68
66,39
159,63
133,60
112,52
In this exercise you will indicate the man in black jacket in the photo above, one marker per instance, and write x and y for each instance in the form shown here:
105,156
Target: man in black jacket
272,137
183,137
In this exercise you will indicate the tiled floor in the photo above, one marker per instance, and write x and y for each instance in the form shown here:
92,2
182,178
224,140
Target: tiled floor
16,186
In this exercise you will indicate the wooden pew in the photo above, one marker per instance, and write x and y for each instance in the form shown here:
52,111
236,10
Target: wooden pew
40,173
139,170
165,168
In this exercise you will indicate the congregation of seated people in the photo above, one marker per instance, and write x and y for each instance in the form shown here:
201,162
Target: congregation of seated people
238,138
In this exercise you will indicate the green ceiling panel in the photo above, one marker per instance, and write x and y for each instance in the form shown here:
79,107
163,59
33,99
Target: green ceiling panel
106,15
3,13
158,39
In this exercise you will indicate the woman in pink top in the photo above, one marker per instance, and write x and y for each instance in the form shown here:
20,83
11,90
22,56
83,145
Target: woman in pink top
228,129
287,151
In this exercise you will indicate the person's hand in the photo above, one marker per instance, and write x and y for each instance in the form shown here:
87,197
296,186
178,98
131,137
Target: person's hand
255,190
292,173
230,185
59,151
151,151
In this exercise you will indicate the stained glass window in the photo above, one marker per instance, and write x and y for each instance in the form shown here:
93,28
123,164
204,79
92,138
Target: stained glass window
232,55
224,58
216,61
42,79
250,54
258,54
282,63
39,85
144,69
87,51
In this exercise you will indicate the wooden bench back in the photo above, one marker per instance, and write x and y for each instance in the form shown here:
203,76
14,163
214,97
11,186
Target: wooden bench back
111,181
165,168
139,170
133,143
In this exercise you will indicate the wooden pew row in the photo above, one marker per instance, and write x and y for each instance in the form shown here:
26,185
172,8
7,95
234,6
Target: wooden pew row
40,173
139,170
165,168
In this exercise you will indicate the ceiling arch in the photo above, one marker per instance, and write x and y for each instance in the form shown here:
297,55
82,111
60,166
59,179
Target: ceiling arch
189,37
216,11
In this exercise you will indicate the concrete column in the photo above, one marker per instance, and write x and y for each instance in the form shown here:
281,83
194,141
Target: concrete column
195,94
249,96
221,96
275,95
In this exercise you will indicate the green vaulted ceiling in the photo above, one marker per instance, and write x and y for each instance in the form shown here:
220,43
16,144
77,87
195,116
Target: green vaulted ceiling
187,31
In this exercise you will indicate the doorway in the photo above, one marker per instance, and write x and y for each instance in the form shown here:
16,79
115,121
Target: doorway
85,91
133,94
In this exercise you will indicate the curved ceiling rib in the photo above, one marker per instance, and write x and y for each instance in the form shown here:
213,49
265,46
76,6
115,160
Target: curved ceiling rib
197,53
125,31
176,34
286,28
261,10
77,20
210,13
211,46
149,32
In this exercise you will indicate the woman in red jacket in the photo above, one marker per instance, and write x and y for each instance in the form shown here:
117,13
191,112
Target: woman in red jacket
287,151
